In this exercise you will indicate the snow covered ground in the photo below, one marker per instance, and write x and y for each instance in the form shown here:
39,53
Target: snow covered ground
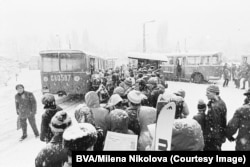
22,154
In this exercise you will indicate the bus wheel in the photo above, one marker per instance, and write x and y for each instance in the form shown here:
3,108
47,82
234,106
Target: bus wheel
198,78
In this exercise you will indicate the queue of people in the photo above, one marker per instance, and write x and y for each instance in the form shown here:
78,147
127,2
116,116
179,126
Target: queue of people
128,104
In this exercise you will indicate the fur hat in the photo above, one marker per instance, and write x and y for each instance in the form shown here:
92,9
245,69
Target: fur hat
213,89
201,105
119,90
60,121
119,121
80,137
19,86
135,97
187,135
83,114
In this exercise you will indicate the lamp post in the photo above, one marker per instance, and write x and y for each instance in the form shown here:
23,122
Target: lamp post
144,34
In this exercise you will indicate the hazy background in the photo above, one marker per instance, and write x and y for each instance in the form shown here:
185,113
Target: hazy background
115,27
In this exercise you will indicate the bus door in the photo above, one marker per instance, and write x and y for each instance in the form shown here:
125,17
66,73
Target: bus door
179,67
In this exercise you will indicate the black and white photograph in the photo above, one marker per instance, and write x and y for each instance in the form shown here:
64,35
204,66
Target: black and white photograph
122,75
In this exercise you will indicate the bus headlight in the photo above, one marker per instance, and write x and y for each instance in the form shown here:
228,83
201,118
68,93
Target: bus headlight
45,79
76,78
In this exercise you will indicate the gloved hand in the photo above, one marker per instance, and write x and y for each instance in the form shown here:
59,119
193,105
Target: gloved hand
231,138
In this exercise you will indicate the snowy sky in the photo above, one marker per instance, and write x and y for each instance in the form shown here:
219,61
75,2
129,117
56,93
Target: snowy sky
117,24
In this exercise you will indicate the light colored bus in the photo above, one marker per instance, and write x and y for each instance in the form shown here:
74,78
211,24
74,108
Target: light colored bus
195,67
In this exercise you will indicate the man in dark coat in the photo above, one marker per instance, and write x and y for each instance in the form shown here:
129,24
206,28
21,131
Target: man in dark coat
26,109
50,110
216,120
241,123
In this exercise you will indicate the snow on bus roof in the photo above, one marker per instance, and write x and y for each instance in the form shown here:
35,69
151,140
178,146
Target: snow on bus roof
60,51
149,56
193,54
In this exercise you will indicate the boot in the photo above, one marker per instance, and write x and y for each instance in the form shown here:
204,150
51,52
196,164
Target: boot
23,137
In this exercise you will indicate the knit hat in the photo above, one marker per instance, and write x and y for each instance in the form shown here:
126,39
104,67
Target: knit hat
80,137
213,89
187,135
181,93
119,121
135,97
201,105
114,99
119,90
19,86
128,82
83,114
247,92
60,121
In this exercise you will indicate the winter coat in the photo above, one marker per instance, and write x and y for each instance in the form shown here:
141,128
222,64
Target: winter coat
187,136
119,121
101,115
216,120
153,97
53,155
240,122
133,124
200,118
226,74
84,115
25,104
147,115
46,133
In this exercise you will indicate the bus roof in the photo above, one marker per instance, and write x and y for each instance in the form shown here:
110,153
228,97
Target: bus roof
148,56
193,54
60,51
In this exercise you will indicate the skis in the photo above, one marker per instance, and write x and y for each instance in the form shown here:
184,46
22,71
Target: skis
165,119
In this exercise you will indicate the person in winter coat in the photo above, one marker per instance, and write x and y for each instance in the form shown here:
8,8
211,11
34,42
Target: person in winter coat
80,137
84,115
185,110
200,116
48,100
226,77
155,92
101,115
241,123
147,116
216,120
54,155
134,98
26,109
119,121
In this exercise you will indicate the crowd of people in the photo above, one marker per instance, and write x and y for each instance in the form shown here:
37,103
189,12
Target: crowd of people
237,73
127,103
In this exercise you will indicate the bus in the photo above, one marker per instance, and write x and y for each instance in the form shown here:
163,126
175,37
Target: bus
138,60
65,72
194,67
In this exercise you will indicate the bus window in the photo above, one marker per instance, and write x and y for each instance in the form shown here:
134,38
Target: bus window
50,62
71,62
194,60
171,60
214,60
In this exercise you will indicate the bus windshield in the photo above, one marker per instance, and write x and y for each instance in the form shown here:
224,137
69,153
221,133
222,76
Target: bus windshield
50,62
72,62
